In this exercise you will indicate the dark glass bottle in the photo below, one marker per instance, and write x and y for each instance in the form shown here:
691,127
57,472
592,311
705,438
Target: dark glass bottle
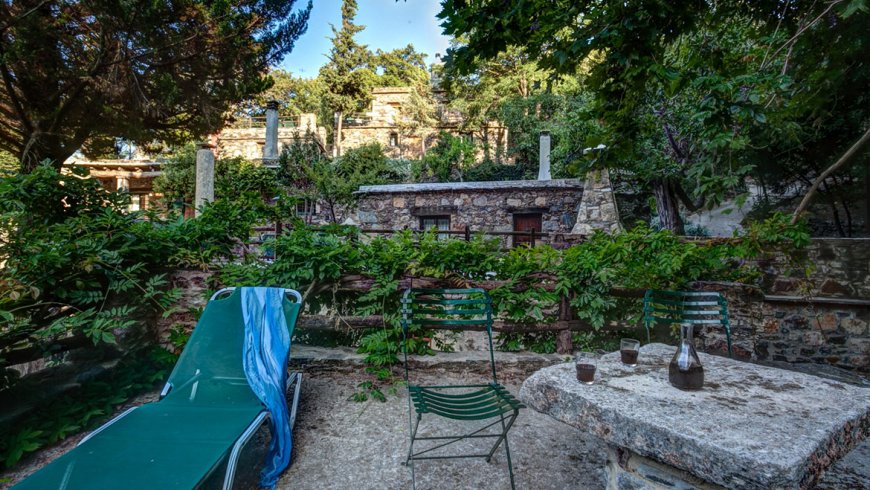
685,371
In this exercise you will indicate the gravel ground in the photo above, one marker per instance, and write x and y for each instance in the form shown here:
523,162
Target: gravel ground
341,444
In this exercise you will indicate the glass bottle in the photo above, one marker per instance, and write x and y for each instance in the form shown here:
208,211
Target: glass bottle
685,371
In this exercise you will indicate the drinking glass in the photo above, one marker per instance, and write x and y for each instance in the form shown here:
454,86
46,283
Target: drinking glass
628,351
585,372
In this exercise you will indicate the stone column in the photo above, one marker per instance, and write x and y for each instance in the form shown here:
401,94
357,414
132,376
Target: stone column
204,176
308,123
270,149
123,183
597,210
544,167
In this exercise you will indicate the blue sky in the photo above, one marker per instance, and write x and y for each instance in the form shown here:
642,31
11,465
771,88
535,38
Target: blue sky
389,24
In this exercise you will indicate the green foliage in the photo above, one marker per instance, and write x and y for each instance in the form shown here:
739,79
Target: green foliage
81,76
489,171
83,408
294,95
689,98
401,67
348,75
314,261
79,270
446,161
334,182
234,177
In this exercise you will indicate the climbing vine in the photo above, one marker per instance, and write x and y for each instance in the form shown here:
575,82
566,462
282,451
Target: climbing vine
529,282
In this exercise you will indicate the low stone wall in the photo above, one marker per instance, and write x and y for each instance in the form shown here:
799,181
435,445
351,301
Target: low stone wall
839,267
764,328
825,334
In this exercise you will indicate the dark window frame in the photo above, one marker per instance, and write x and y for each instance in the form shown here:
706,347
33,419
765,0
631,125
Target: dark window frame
437,220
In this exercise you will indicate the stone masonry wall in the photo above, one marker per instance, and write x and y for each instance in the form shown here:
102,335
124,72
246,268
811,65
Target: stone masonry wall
796,332
410,145
384,119
480,209
598,209
762,329
839,267
248,142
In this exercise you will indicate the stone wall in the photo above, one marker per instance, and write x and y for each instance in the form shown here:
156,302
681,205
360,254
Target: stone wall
839,267
482,206
410,145
764,328
383,124
248,142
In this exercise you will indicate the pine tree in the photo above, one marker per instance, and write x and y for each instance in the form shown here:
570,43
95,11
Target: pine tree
77,75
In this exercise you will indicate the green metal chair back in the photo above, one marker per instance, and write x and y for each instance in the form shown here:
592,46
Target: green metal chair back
447,309
491,404
686,307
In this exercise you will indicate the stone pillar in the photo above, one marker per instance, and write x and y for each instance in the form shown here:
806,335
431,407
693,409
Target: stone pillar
597,210
270,149
308,123
204,176
544,166
123,183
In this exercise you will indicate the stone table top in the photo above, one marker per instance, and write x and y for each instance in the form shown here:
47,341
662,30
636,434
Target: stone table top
750,426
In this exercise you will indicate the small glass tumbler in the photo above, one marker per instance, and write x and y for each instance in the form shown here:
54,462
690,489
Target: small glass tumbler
585,372
628,351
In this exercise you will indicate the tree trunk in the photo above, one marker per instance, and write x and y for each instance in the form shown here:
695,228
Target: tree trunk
41,147
867,199
851,153
667,206
338,133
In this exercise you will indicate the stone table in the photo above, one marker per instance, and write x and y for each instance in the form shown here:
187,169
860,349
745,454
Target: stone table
751,426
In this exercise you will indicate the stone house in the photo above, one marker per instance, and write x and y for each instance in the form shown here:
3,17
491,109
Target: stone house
548,206
247,138
384,124
136,176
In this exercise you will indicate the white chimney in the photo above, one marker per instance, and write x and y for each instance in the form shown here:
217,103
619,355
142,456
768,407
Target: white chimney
544,168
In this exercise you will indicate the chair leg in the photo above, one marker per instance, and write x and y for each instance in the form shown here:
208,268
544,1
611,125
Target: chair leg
408,461
503,437
413,436
507,450
728,338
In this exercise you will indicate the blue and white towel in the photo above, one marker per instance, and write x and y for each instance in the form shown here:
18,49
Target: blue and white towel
267,348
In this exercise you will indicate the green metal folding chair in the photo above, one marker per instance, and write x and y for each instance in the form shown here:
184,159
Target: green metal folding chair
206,415
686,307
455,309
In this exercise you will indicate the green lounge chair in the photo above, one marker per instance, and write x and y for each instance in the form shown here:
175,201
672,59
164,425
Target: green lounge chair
206,414
686,307
488,409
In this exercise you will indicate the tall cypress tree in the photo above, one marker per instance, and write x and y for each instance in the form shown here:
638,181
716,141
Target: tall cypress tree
347,75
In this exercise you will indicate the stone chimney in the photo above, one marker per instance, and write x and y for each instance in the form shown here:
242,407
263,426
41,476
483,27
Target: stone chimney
597,210
270,149
544,168
204,175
